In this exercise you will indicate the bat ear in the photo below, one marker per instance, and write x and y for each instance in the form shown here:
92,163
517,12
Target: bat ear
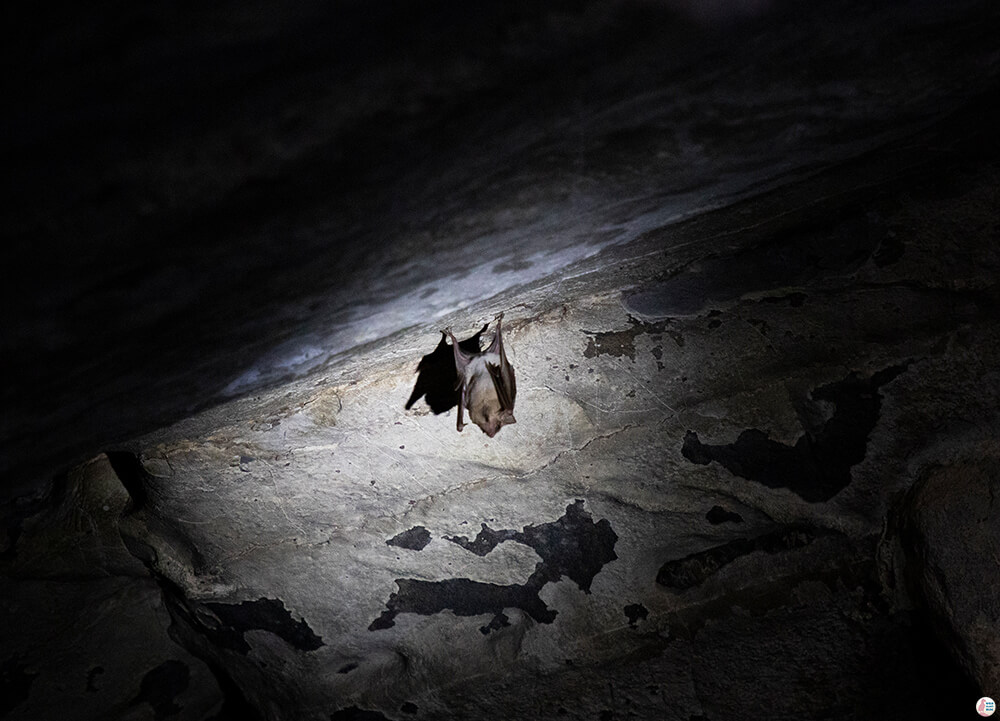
508,418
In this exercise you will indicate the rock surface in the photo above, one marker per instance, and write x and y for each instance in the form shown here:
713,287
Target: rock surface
84,632
573,565
749,276
958,500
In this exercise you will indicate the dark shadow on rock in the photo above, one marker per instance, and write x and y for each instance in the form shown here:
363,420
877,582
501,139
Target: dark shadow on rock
15,685
437,381
353,713
692,570
819,465
795,256
161,686
15,512
265,614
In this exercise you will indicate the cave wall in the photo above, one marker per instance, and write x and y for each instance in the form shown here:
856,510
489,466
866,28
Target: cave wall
745,507
749,282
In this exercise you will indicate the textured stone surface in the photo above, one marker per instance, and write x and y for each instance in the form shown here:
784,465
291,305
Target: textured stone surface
749,268
956,580
533,553
84,628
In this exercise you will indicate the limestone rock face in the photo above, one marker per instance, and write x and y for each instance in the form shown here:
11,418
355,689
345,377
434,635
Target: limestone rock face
691,495
84,632
953,537
748,259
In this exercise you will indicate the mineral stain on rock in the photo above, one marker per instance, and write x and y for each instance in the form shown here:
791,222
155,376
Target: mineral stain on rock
92,675
265,614
353,713
819,465
415,539
614,343
161,686
692,570
621,342
573,546
635,612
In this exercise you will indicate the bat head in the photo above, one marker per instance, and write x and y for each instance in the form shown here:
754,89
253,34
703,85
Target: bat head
491,425
487,413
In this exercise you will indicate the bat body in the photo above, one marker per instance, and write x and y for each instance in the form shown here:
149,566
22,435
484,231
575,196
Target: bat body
486,385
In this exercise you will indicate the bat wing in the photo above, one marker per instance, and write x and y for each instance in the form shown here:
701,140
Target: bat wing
462,357
503,374
503,381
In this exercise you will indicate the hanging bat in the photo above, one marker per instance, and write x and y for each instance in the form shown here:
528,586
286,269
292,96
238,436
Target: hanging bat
486,385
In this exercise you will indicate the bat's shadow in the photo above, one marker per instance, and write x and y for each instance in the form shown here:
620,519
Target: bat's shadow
437,381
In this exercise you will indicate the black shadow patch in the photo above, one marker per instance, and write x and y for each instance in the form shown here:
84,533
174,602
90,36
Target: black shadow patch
437,381
265,614
819,465
692,570
15,685
161,686
353,713
573,546
415,539
718,514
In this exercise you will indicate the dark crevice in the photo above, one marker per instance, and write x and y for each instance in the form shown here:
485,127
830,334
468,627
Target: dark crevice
132,474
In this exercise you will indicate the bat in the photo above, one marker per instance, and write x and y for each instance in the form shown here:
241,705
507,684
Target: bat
486,384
